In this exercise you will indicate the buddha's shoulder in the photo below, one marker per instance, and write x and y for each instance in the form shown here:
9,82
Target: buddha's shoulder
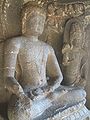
46,45
14,41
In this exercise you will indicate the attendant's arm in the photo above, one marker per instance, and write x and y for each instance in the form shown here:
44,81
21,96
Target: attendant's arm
53,70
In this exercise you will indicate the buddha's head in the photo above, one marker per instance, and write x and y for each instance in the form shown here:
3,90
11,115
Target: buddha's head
33,19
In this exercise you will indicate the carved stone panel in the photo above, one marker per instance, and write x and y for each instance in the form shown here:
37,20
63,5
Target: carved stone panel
10,18
32,71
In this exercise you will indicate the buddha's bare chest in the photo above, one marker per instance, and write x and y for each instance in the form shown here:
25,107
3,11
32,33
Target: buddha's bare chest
33,53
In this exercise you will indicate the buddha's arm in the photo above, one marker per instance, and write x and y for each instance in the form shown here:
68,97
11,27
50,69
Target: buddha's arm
10,57
53,70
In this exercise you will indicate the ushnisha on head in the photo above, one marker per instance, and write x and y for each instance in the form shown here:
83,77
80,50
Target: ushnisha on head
33,19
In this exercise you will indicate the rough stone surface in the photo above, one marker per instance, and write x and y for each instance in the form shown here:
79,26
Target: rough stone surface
10,18
66,36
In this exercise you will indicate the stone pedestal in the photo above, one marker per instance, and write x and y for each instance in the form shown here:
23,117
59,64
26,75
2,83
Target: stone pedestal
77,112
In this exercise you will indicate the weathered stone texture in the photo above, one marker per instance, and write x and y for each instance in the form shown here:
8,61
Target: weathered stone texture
67,31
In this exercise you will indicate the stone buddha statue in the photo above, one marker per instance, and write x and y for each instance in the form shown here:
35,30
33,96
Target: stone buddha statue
32,74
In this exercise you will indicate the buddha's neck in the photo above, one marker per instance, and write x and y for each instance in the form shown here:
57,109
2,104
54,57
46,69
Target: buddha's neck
31,37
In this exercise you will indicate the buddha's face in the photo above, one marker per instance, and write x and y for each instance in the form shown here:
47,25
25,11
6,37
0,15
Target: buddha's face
35,24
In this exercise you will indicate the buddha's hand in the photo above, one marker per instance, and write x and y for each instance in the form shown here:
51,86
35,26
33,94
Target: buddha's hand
51,89
47,90
12,85
37,92
55,85
25,101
